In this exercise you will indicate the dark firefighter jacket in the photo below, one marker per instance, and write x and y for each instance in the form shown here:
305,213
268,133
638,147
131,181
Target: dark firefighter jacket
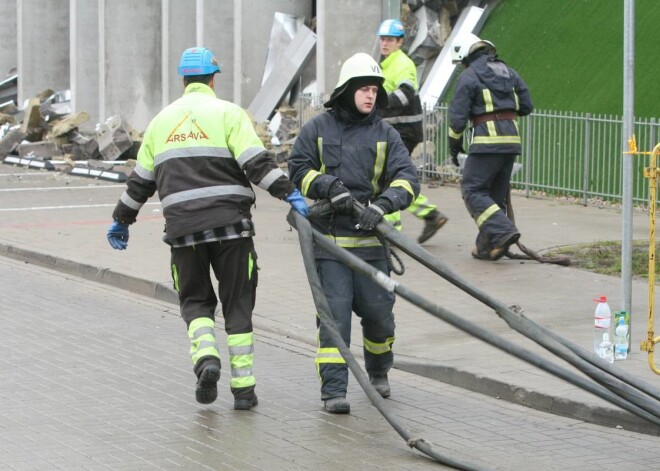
369,159
489,86
404,110
200,153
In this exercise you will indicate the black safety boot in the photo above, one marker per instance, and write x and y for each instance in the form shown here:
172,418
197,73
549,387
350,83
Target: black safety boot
337,405
245,403
380,384
432,223
502,248
207,384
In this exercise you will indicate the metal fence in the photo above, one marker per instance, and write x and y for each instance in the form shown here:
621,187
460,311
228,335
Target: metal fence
578,155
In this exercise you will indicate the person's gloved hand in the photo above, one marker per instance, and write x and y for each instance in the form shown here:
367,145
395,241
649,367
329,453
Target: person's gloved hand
370,217
297,202
118,235
340,198
455,148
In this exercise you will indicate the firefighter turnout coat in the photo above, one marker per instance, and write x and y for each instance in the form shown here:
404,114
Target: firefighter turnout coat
492,94
371,161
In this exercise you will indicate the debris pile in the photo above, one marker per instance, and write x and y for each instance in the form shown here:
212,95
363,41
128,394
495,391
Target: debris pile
46,134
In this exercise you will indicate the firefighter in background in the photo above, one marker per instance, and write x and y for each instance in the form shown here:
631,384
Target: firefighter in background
492,95
404,113
201,153
350,152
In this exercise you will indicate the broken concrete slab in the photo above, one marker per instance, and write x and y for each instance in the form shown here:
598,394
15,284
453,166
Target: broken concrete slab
68,123
114,139
11,141
41,149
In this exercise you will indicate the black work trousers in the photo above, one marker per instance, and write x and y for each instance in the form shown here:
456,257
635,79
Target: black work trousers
348,292
234,264
485,185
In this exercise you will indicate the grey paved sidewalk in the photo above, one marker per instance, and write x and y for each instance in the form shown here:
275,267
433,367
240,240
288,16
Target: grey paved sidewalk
60,221
97,378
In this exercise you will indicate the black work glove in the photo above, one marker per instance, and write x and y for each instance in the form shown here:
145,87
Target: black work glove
340,198
455,148
370,217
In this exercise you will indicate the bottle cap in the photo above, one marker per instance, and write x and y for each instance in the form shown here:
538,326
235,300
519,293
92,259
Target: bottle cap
602,299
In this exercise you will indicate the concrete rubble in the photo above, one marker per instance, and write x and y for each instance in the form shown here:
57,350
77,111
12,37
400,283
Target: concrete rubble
45,134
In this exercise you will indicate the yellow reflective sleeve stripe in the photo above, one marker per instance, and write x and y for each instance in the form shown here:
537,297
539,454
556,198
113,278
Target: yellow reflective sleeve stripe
329,355
307,181
515,97
378,348
483,217
488,100
355,242
250,266
496,140
319,145
455,135
381,152
405,184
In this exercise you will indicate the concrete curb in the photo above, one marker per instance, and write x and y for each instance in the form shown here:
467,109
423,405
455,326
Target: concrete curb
611,417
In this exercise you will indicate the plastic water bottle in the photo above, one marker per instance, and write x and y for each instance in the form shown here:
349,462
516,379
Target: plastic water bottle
606,349
602,323
621,340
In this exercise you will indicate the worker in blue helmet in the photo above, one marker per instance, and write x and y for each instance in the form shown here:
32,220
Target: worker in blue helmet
202,154
404,113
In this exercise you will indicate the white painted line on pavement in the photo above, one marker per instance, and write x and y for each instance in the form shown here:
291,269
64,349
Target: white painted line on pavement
81,206
61,188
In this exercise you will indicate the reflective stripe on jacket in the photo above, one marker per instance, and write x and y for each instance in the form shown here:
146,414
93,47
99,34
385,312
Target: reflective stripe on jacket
488,85
201,154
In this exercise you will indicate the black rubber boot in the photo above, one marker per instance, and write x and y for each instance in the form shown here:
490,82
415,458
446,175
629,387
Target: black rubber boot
337,405
432,223
207,384
245,403
380,384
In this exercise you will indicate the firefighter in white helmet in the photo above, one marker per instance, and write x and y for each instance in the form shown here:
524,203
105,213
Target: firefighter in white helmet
404,112
491,95
201,154
349,153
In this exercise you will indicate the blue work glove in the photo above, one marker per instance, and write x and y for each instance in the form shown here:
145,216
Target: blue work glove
370,217
340,198
297,202
118,235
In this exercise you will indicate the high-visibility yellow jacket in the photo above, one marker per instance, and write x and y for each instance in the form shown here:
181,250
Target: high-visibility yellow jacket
200,153
404,110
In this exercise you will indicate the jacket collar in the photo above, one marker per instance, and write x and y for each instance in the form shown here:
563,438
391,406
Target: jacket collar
199,88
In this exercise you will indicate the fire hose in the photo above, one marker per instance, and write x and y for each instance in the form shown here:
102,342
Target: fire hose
612,383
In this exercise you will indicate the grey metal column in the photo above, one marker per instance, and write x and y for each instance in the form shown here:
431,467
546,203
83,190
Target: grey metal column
42,26
628,131
344,27
216,32
132,38
179,33
8,56
84,53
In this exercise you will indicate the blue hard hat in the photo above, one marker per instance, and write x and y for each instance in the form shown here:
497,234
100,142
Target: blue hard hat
198,61
391,28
